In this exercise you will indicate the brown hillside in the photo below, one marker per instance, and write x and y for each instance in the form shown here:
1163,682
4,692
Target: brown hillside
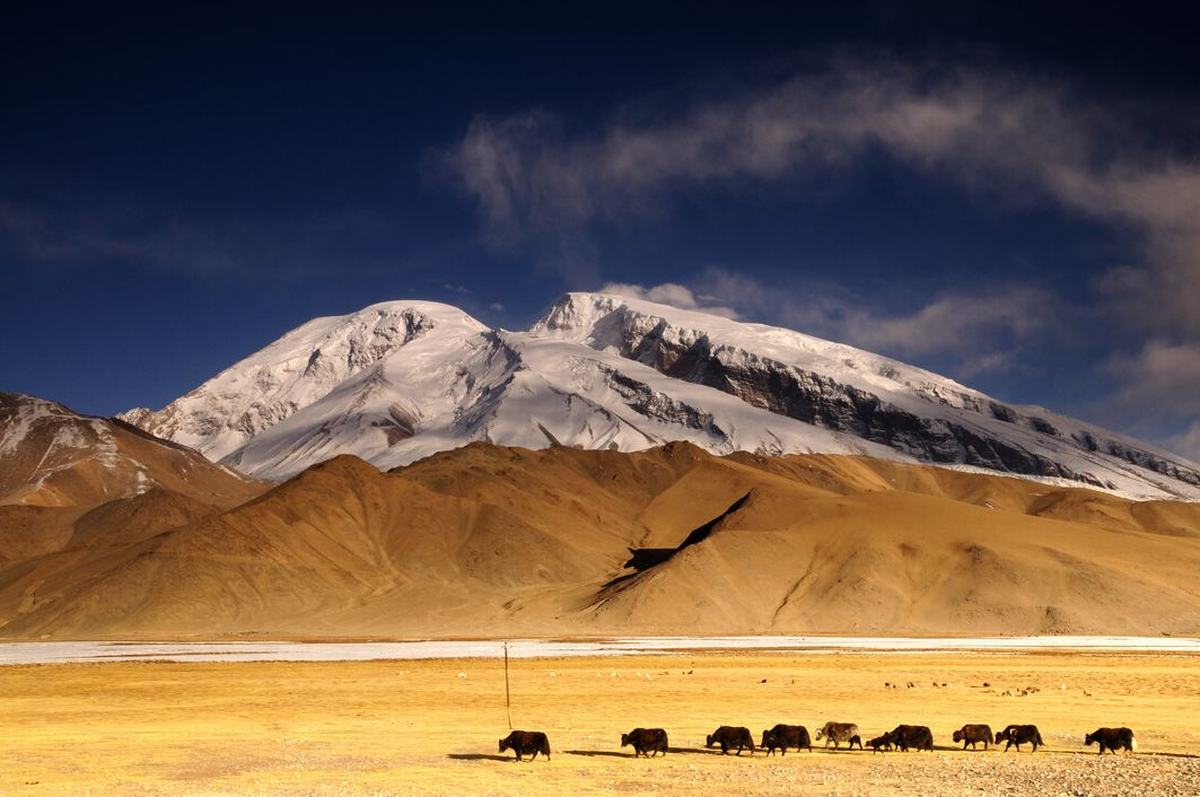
484,541
52,456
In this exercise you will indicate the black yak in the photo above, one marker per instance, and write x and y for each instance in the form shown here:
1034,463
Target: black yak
1112,739
645,741
918,737
1019,735
728,737
782,737
526,743
972,735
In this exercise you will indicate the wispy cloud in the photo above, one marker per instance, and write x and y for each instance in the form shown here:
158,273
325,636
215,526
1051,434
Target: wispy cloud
1186,442
994,133
984,332
65,237
1162,378
60,234
672,294
1157,394
978,333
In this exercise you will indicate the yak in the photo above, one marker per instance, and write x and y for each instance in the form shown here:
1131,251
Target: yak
880,743
645,741
1019,735
784,736
915,736
729,736
838,732
525,742
1112,739
972,735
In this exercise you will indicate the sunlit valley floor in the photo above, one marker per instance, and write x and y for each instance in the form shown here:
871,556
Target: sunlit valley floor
430,727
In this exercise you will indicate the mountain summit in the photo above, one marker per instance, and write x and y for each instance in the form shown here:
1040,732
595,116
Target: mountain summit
398,381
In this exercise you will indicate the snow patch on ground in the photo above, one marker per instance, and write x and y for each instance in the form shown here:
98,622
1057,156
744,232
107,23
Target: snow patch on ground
62,652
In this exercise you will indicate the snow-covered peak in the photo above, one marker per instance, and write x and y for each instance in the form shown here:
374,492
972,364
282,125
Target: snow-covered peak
298,369
381,323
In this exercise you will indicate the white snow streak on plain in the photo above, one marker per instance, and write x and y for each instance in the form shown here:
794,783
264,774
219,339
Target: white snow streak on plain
63,652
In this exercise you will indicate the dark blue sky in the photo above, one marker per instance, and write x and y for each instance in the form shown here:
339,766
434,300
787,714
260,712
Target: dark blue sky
1007,196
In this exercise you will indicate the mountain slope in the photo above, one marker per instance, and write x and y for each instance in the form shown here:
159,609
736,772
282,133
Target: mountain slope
51,456
401,380
485,540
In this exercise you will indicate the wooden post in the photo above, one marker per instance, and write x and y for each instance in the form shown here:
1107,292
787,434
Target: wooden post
507,693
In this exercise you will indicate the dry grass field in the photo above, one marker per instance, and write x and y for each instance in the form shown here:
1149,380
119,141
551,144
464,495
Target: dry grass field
431,727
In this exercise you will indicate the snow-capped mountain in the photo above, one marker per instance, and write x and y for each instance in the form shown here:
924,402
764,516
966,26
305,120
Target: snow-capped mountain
304,366
400,380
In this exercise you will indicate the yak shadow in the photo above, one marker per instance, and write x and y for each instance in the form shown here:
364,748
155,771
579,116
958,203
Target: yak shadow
670,751
710,751
598,753
480,757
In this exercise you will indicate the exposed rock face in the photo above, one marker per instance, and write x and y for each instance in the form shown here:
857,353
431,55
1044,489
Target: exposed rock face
819,400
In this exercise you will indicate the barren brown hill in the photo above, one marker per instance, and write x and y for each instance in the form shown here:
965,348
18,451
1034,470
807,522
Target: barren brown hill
72,485
484,541
52,456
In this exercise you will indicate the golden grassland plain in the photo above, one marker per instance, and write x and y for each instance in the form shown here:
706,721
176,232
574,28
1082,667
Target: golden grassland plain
431,727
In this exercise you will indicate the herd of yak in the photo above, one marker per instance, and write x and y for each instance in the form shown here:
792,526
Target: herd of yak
650,741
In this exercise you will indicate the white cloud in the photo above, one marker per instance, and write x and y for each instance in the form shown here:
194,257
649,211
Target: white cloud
1186,443
981,332
995,134
1162,378
669,293
1156,394
957,324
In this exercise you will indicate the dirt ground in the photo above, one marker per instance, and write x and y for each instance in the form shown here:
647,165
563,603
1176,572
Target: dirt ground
431,727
